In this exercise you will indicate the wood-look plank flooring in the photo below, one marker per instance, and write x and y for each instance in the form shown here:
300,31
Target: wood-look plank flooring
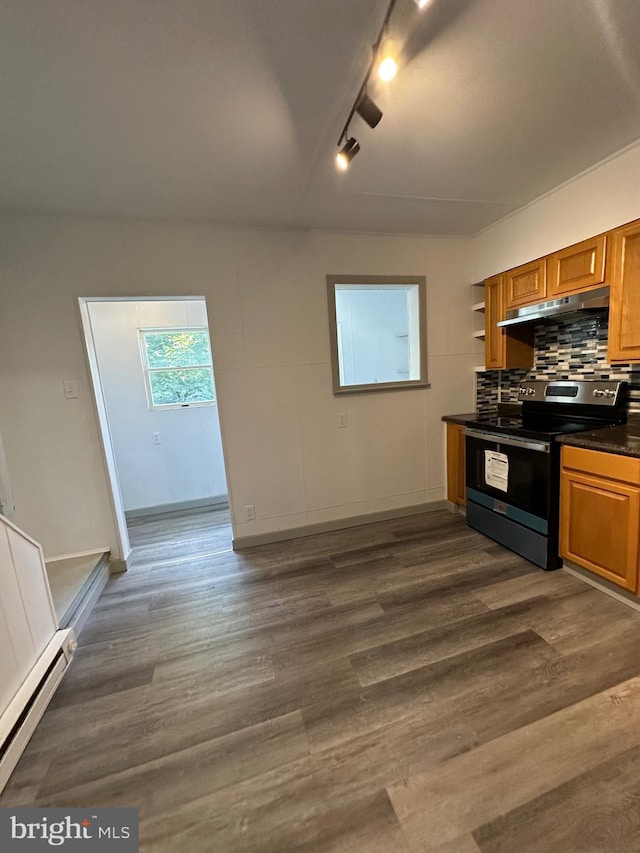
407,686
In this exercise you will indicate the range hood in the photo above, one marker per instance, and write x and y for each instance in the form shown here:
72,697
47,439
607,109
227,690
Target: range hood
593,300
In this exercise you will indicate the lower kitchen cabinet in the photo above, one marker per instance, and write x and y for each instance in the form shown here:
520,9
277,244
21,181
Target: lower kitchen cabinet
600,514
455,464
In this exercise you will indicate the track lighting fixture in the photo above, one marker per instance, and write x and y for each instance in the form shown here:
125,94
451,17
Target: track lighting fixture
384,58
347,153
368,110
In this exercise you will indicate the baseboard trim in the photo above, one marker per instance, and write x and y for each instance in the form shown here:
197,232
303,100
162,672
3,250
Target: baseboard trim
162,509
456,509
242,542
119,565
602,584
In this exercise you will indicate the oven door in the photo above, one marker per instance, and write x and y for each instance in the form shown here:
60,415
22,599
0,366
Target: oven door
511,476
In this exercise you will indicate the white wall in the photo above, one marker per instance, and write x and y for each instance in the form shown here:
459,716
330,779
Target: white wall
600,199
187,465
267,307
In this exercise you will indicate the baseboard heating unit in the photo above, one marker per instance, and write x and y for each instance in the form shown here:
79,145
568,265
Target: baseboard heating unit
23,713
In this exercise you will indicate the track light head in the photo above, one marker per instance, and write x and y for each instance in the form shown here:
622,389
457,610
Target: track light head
388,65
347,153
387,69
368,110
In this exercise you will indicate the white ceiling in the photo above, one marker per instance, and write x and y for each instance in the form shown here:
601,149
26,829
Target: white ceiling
229,110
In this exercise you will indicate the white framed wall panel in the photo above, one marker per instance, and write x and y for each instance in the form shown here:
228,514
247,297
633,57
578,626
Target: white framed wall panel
9,674
13,611
34,589
27,617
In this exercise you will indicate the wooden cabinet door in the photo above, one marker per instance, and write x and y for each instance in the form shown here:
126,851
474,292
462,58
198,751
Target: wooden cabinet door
526,285
456,479
600,525
503,349
494,336
577,268
624,306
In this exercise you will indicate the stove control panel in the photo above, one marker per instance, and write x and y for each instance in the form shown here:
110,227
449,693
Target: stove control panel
595,392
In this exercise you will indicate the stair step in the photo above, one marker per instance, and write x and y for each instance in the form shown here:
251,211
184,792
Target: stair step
71,579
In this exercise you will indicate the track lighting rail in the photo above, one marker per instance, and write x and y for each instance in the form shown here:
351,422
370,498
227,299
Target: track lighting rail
363,104
363,88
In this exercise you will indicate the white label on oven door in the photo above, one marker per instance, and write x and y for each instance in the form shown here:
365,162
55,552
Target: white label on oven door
496,470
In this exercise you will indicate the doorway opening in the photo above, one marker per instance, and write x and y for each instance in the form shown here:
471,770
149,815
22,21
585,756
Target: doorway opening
154,383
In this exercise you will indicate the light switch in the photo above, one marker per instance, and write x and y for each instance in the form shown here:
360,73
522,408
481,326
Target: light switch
70,389
342,420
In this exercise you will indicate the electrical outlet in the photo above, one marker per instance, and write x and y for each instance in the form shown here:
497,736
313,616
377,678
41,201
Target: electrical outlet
250,512
156,438
342,420
70,389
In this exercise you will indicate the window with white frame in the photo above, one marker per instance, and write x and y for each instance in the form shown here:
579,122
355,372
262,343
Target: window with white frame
177,366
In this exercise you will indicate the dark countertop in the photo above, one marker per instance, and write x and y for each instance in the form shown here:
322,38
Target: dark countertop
502,409
624,440
460,419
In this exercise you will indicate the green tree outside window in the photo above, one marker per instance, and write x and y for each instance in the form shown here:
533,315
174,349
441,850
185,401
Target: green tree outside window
179,367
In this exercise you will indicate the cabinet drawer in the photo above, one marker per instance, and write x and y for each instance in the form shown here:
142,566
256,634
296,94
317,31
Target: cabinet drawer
626,469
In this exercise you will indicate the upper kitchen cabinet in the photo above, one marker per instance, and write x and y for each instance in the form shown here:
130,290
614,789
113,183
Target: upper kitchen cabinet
503,350
624,305
577,268
525,285
494,337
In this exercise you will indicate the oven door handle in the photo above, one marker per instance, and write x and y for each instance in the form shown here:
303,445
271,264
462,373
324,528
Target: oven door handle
525,443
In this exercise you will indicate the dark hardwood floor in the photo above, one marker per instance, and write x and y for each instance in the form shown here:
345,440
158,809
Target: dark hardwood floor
402,686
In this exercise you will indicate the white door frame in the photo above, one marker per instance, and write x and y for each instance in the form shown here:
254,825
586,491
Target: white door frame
115,493
117,504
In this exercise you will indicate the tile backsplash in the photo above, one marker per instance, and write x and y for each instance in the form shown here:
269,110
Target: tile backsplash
563,349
